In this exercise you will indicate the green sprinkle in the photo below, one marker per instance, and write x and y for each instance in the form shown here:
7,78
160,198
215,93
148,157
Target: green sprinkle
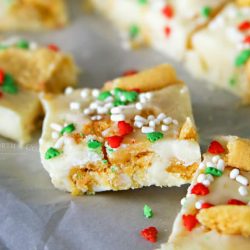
117,103
233,81
51,153
142,2
93,144
206,11
154,136
68,129
134,31
22,44
114,169
130,96
110,150
242,58
105,161
9,85
104,95
148,212
213,171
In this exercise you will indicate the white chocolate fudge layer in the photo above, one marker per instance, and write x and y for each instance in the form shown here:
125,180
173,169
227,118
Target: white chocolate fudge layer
32,14
138,131
216,210
25,69
220,52
166,24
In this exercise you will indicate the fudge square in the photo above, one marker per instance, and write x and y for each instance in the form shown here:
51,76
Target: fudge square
32,14
216,210
26,69
228,34
137,131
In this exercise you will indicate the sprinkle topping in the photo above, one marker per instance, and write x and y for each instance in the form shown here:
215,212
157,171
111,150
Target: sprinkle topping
213,171
154,136
242,58
148,212
114,141
216,148
124,128
94,144
189,221
104,95
51,153
200,189
68,129
150,234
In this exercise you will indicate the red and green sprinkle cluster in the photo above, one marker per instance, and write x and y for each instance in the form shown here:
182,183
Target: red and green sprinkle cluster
7,84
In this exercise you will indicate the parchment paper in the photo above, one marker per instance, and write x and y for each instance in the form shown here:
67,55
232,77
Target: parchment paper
33,215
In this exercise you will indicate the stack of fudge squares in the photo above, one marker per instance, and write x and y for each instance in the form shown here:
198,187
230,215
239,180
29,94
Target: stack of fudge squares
137,130
211,38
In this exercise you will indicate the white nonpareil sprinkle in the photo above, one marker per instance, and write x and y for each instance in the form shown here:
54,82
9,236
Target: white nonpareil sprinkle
139,106
234,173
206,183
96,118
175,122
198,204
75,105
88,111
85,93
152,124
164,128
167,120
243,191
215,159
95,92
138,124
221,165
56,127
242,180
59,143
140,118
33,46
210,165
55,135
68,91
94,105
202,165
117,117
116,110
209,177
102,110
146,130
201,178
161,116
183,200
151,117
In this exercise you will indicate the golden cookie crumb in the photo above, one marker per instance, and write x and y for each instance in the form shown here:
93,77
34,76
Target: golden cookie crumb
188,131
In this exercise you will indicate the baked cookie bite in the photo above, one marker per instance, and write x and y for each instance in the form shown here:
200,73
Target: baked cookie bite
221,51
137,131
32,14
167,25
25,70
216,210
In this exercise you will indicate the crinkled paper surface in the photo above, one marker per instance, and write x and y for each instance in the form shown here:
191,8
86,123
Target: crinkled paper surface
34,215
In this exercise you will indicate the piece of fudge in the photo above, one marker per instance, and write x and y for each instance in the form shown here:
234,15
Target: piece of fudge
32,14
216,210
138,131
165,24
221,52
25,70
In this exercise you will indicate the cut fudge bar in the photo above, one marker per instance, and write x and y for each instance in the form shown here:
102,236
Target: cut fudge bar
138,131
216,210
26,69
32,14
221,52
166,24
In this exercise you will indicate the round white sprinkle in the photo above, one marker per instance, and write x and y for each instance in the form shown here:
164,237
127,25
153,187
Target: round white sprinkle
202,165
59,143
95,92
33,46
102,110
108,105
88,111
85,93
167,120
40,141
117,117
56,127
140,118
221,165
201,178
94,105
215,159
139,106
164,128
151,117
122,98
146,130
55,135
152,124
243,191
206,183
161,116
198,204
209,177
96,118
116,110
68,91
148,95
234,173
183,200
210,164
242,180
143,99
175,122
74,105
138,124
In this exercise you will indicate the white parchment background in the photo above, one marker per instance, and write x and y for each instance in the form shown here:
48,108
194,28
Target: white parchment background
33,215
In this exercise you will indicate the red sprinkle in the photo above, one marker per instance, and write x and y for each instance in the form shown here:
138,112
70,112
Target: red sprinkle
136,90
216,148
200,189
130,72
150,234
168,11
1,94
235,202
206,205
53,47
124,128
167,31
1,76
247,39
189,221
114,141
244,26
